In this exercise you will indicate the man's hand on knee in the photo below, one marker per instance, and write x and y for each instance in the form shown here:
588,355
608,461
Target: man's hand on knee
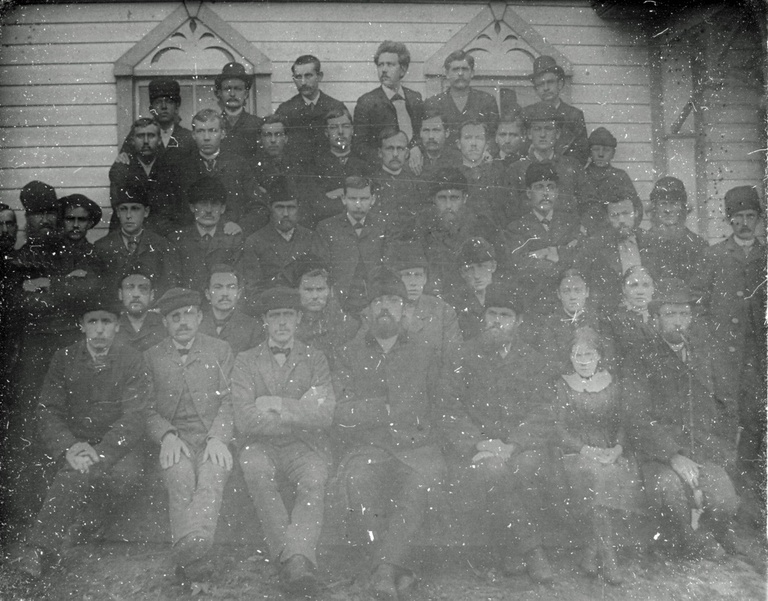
687,469
218,453
171,449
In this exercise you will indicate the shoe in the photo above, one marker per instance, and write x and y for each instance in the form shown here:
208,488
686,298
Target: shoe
190,549
588,561
297,575
728,539
382,585
538,567
611,573
702,545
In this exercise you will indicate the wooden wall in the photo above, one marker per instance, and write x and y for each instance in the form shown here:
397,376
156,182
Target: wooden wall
58,97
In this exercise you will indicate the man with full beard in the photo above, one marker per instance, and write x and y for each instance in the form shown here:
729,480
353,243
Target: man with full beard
139,326
500,428
391,455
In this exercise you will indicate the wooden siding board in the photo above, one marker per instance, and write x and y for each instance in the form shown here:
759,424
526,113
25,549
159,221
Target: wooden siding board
31,116
69,33
34,75
59,54
90,13
67,156
71,135
47,95
56,177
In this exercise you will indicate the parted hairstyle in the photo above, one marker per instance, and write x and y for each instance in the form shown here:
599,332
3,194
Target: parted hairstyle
306,59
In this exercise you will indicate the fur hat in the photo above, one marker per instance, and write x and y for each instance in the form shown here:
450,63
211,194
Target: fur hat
742,198
39,197
164,87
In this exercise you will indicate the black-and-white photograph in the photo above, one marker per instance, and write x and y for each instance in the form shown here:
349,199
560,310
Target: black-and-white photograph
395,301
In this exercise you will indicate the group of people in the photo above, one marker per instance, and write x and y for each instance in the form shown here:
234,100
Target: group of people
420,291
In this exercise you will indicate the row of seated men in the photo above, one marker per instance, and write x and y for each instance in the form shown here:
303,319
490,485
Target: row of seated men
630,390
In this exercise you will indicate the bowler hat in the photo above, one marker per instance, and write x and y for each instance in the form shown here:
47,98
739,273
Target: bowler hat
741,198
80,200
671,291
38,197
475,251
207,188
131,192
448,178
546,64
385,282
280,297
176,298
101,301
164,87
669,189
292,273
407,255
233,70
537,172
602,137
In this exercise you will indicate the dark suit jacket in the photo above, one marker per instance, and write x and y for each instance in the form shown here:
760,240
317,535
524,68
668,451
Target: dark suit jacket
573,134
330,173
374,112
481,106
152,331
242,137
197,257
240,331
180,147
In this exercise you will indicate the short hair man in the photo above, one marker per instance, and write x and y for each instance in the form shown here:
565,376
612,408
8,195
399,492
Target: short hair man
134,244
91,418
232,87
461,102
437,152
275,245
223,319
304,115
385,418
352,243
79,214
510,138
390,105
730,283
190,417
139,327
245,200
548,80
9,229
284,403
206,242
670,405
501,427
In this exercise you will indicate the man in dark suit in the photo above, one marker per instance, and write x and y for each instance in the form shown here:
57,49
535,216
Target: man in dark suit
304,115
284,403
139,327
391,104
231,88
548,81
436,152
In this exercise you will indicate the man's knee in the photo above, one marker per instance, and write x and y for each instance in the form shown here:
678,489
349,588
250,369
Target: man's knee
665,488
720,495
256,463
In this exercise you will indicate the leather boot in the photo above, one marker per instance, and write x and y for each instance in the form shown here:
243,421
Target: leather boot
604,531
538,567
382,583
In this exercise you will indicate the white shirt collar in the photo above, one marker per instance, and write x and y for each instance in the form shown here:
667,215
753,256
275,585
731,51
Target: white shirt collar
743,243
390,92
312,101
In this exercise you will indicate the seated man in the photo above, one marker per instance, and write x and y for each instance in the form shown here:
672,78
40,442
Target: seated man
273,159
510,138
385,414
209,240
139,327
679,432
502,428
324,325
190,418
223,319
437,152
91,418
284,403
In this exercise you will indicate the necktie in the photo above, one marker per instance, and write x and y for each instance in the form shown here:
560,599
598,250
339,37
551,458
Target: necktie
276,350
100,361
545,223
132,243
210,164
206,238
358,227
397,97
183,352
403,118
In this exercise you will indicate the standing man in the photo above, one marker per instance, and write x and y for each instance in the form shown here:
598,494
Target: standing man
392,104
91,418
548,81
139,326
284,403
190,418
304,115
461,102
232,87
391,454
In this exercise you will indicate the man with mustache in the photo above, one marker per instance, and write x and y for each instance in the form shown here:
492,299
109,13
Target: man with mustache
223,319
232,88
433,139
91,419
304,115
284,403
9,227
502,427
385,418
731,284
190,418
680,432
80,214
139,327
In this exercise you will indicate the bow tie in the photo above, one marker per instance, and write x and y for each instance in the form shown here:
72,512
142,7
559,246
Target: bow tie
276,350
396,97
183,351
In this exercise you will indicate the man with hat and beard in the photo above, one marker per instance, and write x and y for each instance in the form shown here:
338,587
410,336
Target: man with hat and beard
730,282
548,82
385,416
190,417
283,402
680,431
232,87
91,419
501,427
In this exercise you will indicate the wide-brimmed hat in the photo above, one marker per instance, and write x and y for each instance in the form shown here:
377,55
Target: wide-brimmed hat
546,64
80,200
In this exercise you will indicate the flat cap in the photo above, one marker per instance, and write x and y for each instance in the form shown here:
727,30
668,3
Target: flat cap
80,200
670,291
546,64
233,70
741,198
475,251
602,137
385,282
164,87
38,197
280,297
176,298
537,172
669,189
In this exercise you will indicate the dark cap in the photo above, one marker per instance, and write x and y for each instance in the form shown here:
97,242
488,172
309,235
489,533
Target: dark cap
176,298
602,137
546,64
669,189
101,301
448,178
280,297
301,265
131,192
503,298
540,112
164,87
670,291
385,282
475,251
207,188
80,200
407,255
39,197
233,71
741,198
537,172
280,189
